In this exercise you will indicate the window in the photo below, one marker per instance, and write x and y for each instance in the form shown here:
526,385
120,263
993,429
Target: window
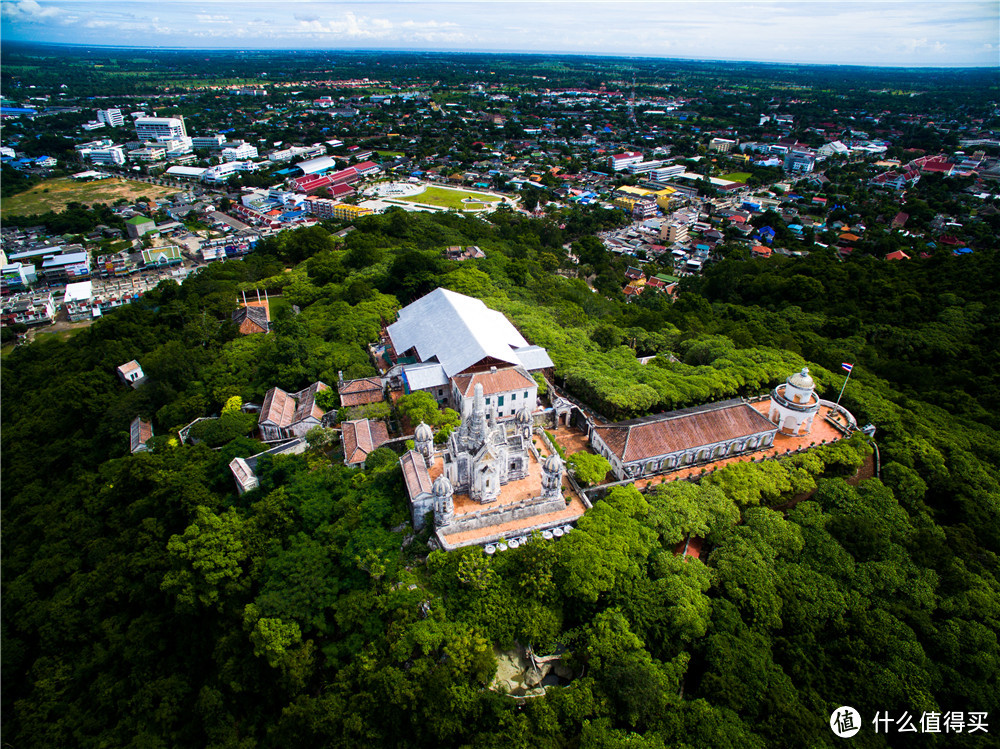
499,400
487,401
513,396
440,391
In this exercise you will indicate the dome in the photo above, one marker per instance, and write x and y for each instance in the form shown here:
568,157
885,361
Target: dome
524,416
423,433
553,464
442,487
802,380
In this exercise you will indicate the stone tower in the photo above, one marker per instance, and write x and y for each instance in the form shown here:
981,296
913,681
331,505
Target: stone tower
552,473
524,422
423,439
444,504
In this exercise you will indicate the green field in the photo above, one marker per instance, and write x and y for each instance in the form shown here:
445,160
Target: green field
736,176
57,335
55,194
446,198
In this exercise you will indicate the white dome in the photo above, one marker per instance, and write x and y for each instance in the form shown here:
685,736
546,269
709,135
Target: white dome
441,487
553,464
524,416
423,433
802,380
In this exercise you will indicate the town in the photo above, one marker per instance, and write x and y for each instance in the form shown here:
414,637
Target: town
409,398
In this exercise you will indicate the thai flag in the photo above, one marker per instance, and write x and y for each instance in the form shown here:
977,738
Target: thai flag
847,367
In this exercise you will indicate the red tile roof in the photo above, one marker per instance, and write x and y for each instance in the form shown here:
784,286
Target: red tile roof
360,392
361,437
678,431
505,380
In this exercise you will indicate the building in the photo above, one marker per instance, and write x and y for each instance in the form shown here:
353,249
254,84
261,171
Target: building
150,154
674,232
244,469
643,167
348,212
113,156
443,338
17,277
139,225
360,438
619,161
37,309
77,300
160,256
139,434
794,404
721,145
799,162
130,373
656,444
360,392
489,482
240,152
111,117
210,142
159,128
253,316
668,172
59,269
285,416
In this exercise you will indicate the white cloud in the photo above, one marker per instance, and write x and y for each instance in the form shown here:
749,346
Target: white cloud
30,10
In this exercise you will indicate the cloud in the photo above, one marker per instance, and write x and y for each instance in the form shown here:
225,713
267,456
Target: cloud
30,10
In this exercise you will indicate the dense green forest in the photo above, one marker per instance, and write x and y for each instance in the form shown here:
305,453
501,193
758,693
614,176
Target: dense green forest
146,604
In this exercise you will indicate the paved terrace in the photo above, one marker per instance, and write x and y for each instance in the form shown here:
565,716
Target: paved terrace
783,443
512,492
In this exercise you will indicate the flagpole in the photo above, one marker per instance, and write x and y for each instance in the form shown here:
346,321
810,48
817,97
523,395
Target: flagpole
842,388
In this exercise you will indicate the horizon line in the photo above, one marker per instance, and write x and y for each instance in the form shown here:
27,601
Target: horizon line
525,53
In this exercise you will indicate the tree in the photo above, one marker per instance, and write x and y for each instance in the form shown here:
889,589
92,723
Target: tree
588,468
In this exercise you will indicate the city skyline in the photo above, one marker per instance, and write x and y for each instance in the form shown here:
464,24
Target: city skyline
846,33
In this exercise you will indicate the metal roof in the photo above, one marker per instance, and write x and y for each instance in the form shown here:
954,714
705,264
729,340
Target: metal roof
455,329
534,357
423,376
312,166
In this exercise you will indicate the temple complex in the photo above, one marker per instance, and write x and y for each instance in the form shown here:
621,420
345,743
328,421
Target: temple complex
493,480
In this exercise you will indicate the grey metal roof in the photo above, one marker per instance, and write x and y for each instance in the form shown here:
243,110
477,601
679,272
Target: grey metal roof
317,165
534,357
423,376
455,329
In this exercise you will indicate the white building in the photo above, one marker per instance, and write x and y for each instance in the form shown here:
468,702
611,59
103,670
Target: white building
159,128
619,161
721,145
208,141
114,156
795,404
668,172
242,152
643,167
799,162
111,117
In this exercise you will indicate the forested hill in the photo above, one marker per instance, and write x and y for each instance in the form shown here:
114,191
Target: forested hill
146,604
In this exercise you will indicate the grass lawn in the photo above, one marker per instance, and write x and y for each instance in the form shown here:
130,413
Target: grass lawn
737,176
55,194
390,154
276,304
449,198
5,350
58,335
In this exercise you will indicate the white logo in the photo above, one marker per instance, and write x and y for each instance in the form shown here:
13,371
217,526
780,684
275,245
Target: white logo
845,721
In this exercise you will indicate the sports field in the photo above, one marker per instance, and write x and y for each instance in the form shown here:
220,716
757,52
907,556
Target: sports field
55,194
459,200
736,176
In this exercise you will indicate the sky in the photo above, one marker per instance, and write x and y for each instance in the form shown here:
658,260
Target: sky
942,33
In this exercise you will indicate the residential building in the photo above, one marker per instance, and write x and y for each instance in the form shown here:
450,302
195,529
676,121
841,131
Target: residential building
111,117
360,438
130,373
150,154
643,167
77,300
17,277
348,212
285,416
674,232
668,172
36,309
721,145
253,316
360,392
140,432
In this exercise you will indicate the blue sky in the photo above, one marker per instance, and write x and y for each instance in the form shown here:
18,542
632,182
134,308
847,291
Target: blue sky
860,32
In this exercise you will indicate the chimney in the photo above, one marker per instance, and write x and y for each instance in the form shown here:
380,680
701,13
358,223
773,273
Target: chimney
493,370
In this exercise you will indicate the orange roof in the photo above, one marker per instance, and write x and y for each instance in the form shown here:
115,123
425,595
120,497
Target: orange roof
674,432
360,392
897,255
504,380
361,438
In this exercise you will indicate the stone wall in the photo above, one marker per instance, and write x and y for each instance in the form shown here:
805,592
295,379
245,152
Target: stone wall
492,516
